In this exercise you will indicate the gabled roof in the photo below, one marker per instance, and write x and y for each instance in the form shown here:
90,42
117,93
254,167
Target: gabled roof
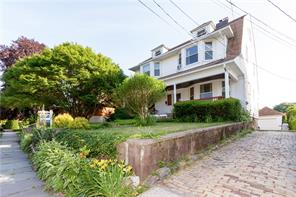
266,111
233,46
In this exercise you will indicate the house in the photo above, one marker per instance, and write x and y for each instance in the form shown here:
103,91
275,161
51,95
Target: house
270,119
218,62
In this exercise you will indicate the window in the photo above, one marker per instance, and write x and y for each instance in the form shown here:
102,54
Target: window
146,69
208,51
192,93
169,99
223,89
156,69
157,53
201,32
178,97
206,91
180,59
191,55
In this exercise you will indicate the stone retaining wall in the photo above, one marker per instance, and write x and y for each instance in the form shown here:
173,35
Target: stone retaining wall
143,154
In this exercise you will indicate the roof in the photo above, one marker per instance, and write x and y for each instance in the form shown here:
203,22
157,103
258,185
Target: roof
233,46
266,111
160,46
203,25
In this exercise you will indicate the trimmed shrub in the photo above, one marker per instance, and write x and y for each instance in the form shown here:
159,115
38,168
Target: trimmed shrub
206,111
80,123
291,117
100,144
12,124
63,120
120,113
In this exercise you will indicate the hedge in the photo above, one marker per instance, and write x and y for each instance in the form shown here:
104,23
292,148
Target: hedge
228,109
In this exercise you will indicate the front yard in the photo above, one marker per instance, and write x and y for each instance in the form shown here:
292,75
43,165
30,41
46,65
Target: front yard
127,129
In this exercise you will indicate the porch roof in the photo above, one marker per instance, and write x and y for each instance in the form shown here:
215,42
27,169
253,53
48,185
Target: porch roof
189,83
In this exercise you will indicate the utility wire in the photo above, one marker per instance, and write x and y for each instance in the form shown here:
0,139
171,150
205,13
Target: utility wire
280,9
255,64
181,26
156,14
259,20
260,28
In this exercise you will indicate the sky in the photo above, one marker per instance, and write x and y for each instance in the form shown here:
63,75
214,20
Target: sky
126,31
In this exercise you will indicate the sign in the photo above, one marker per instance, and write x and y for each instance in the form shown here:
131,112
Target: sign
44,118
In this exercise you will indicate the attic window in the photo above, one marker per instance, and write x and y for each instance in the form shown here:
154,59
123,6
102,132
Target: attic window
201,32
157,53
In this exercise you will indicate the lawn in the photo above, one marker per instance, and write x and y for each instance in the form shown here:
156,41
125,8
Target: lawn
127,129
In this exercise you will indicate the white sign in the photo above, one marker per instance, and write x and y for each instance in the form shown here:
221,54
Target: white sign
45,118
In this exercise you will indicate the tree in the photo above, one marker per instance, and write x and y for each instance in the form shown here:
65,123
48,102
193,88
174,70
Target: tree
283,107
139,93
69,77
19,48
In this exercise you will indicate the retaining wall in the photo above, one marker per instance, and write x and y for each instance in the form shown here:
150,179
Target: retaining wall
143,154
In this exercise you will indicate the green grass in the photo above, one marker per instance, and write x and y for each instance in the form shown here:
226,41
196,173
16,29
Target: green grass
128,129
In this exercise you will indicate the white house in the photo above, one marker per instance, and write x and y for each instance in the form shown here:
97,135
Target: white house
218,62
270,119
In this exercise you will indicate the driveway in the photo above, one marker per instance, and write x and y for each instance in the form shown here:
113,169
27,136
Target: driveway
261,164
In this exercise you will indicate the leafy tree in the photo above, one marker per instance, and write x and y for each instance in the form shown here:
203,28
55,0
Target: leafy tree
139,93
69,77
19,48
283,107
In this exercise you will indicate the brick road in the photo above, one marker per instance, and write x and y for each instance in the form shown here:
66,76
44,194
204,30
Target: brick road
261,164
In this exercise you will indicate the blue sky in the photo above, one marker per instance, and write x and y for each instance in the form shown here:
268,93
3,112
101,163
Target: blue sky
125,31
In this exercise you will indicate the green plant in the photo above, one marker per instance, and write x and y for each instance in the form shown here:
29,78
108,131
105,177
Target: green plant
43,134
120,113
63,120
100,144
206,111
139,93
12,124
292,123
79,123
26,141
147,121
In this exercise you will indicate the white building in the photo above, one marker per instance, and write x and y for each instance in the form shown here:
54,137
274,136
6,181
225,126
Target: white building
270,119
219,62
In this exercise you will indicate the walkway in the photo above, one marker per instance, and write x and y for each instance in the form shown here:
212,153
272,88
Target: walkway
261,164
17,179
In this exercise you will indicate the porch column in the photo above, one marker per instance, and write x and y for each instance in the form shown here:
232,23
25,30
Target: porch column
226,80
175,93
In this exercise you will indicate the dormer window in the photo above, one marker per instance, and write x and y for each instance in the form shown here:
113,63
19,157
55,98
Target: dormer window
157,53
201,32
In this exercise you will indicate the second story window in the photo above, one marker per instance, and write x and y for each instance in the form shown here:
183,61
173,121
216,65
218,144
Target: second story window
146,69
156,69
191,55
180,59
208,50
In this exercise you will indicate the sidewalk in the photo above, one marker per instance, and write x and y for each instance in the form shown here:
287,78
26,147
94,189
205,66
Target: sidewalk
17,179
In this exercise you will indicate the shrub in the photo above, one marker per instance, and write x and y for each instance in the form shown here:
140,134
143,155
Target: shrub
100,144
79,123
12,124
202,111
149,120
63,120
292,124
45,134
121,113
64,171
26,141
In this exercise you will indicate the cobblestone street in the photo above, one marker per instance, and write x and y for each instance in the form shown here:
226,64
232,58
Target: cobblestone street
261,164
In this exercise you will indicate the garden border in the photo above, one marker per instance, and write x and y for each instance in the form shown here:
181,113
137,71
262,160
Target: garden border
144,154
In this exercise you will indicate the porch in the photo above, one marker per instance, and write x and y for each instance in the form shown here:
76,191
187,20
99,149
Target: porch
217,85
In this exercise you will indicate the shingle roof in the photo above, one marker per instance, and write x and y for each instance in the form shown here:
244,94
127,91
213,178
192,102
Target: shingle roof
266,111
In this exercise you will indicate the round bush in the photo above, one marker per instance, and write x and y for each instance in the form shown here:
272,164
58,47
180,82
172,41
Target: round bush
12,124
63,120
80,123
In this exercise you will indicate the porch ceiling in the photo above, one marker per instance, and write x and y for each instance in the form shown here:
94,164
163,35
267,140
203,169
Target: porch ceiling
189,83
